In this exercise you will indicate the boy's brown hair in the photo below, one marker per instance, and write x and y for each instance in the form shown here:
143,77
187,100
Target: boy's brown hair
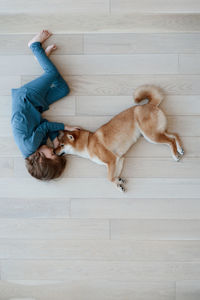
43,168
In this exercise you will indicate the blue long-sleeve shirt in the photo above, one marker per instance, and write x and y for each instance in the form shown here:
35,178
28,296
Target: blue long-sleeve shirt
30,130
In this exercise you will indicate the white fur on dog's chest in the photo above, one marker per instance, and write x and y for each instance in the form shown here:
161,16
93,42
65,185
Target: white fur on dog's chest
95,159
70,150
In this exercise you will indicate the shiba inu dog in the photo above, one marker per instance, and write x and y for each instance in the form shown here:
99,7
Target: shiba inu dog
111,141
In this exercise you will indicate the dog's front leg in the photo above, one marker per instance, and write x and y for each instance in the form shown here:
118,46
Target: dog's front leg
113,173
119,167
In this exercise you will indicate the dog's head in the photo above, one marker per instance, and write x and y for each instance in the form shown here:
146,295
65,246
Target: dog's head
67,141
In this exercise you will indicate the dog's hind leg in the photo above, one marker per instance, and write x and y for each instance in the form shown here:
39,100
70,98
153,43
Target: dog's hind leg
163,138
177,140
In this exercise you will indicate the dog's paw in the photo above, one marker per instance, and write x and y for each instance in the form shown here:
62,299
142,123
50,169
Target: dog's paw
121,188
181,151
122,180
177,157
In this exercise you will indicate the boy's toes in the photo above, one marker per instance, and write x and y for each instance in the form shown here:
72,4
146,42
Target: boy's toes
46,32
40,37
50,49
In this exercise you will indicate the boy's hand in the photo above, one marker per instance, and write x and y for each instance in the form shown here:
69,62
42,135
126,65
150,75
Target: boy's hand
72,128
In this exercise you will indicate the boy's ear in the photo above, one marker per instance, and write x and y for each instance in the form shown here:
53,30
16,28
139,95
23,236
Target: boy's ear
70,137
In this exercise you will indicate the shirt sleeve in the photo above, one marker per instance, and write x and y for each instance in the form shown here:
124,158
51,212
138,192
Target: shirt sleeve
53,126
53,135
45,129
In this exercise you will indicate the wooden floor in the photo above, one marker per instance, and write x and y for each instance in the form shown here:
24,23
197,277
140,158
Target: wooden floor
78,238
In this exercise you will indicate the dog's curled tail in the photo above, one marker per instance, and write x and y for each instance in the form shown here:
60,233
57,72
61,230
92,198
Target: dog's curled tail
150,92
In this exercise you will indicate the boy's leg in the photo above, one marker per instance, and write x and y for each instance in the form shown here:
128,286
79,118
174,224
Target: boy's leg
42,58
58,90
50,86
42,84
55,86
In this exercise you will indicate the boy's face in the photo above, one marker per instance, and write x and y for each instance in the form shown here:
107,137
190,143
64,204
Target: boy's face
48,152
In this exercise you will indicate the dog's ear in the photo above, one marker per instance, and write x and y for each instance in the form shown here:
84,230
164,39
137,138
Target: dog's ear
61,134
70,137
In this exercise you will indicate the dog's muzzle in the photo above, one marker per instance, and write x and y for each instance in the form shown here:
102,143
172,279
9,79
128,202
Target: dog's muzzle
61,154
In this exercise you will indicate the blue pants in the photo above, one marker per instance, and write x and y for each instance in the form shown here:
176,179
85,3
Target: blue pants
49,87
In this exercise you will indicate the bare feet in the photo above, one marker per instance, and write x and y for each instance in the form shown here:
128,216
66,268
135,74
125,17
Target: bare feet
40,37
50,49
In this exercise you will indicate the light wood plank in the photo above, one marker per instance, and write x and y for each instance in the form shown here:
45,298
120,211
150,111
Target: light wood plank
5,127
79,23
7,83
8,147
98,188
130,43
155,229
34,208
102,105
54,229
18,44
111,105
49,7
124,85
6,167
189,63
98,270
142,148
89,289
145,167
133,168
155,6
113,250
5,105
136,208
181,105
188,289
97,65
65,106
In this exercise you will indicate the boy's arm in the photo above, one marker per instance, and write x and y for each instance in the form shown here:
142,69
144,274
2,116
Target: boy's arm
46,129
53,126
54,134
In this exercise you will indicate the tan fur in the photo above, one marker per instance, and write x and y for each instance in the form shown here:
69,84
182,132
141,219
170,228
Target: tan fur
112,140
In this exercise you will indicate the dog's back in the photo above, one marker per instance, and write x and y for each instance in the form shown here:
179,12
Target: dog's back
119,133
122,131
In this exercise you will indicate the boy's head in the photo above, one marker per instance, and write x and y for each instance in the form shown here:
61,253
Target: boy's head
44,164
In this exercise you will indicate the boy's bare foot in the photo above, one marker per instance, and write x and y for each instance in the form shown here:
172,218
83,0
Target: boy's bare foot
40,37
50,49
